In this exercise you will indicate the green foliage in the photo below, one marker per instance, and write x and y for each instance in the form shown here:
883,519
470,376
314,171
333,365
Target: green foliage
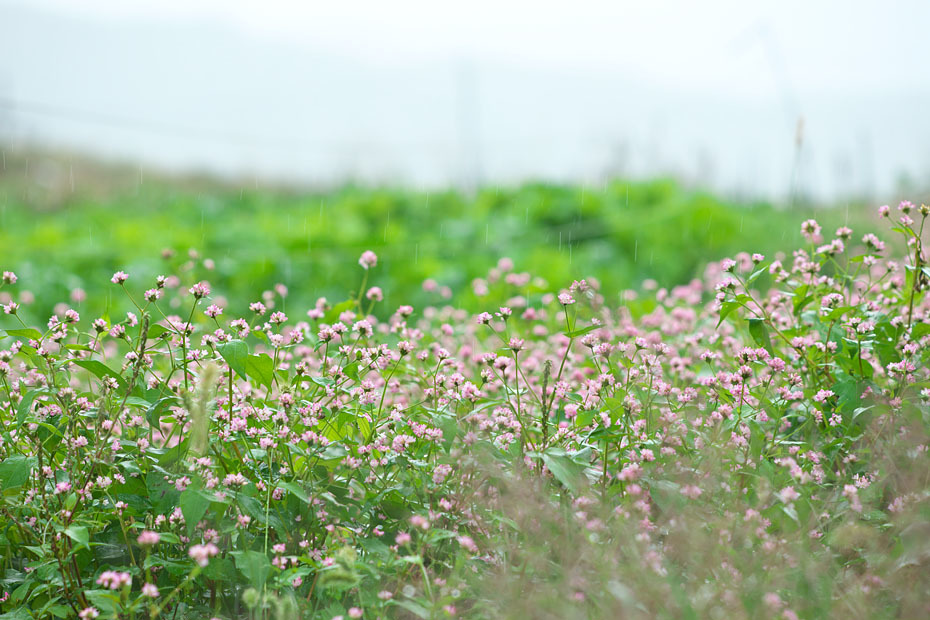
750,444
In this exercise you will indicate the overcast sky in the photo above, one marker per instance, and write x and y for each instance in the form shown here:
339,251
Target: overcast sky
432,93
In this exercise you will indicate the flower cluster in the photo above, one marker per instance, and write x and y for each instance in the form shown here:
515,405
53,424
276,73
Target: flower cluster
693,450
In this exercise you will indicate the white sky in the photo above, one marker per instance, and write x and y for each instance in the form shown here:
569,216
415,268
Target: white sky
787,58
719,46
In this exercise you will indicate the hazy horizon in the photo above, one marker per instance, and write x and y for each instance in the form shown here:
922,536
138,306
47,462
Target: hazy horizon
295,93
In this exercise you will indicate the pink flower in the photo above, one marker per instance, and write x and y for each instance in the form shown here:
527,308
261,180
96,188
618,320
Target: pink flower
114,580
691,491
468,543
202,553
150,590
368,259
811,230
201,289
119,277
148,538
355,612
565,299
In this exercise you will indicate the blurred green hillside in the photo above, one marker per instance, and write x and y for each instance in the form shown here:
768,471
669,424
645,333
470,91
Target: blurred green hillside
62,229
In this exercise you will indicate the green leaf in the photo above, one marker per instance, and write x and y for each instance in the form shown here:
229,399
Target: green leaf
254,566
22,410
920,330
194,504
156,331
261,368
904,231
296,490
758,272
836,313
565,470
333,315
413,607
847,393
15,470
584,330
726,308
153,414
78,533
105,601
29,333
236,354
101,370
760,334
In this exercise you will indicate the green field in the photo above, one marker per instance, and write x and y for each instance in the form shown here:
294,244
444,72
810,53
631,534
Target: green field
621,233
493,413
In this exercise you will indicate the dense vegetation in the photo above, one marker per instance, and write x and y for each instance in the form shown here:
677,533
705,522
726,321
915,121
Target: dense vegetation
65,232
751,443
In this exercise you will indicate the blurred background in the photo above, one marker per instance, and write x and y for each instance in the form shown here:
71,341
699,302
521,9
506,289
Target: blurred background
617,139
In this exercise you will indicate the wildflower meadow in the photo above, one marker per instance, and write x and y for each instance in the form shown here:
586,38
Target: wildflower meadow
752,443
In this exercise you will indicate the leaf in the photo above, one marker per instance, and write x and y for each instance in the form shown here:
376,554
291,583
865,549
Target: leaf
413,607
15,470
78,533
726,308
156,331
29,333
22,410
261,368
101,370
106,602
254,566
334,312
296,490
582,331
194,504
904,231
920,330
847,393
760,334
836,313
236,354
758,272
565,470
153,415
